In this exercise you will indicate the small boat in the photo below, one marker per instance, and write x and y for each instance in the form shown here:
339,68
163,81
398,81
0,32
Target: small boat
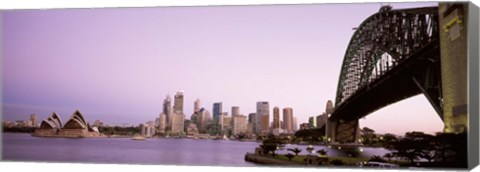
138,137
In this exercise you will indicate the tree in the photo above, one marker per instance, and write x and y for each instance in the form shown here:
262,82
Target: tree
389,156
295,150
337,162
270,145
322,152
289,156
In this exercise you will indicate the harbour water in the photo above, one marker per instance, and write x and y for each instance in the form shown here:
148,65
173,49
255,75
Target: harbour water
159,151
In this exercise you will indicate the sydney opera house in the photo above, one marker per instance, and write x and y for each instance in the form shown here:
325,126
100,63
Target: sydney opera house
76,126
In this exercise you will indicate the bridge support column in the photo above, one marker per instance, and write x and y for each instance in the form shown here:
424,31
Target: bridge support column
343,131
453,49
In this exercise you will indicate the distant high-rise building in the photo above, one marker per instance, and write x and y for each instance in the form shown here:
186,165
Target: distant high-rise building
304,126
178,103
295,125
196,106
239,124
167,110
321,120
312,122
329,108
251,118
276,118
288,119
202,119
262,118
235,110
227,123
33,120
162,124
217,120
177,123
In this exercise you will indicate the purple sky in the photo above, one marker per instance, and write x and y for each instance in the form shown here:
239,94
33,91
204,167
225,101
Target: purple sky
118,64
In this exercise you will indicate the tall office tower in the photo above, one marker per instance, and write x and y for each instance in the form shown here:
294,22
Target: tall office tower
262,118
288,119
295,125
177,124
178,103
202,119
217,120
196,106
162,123
276,118
239,124
312,122
322,120
329,108
235,111
227,123
251,118
167,110
33,120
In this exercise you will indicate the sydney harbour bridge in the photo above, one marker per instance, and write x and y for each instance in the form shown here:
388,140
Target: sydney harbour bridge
398,53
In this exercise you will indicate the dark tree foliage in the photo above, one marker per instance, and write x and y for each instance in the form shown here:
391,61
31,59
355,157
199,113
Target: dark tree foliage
337,162
271,145
289,156
19,129
296,151
322,152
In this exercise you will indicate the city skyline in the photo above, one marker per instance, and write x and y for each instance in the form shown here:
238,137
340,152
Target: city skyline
219,54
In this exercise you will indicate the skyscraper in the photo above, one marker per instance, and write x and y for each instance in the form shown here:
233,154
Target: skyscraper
276,118
329,108
235,110
288,119
162,123
262,118
177,124
251,118
239,124
312,122
167,110
33,120
178,103
217,112
295,125
196,106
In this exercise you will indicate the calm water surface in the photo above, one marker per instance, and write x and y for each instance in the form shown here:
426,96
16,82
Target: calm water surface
166,151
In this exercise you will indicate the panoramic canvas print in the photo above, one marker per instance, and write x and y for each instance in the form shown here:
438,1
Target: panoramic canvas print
367,85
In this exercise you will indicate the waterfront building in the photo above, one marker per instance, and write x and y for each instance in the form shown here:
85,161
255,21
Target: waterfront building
227,123
178,103
167,110
177,127
235,110
288,119
312,122
162,124
276,118
192,129
262,118
239,124
33,120
147,129
217,120
76,126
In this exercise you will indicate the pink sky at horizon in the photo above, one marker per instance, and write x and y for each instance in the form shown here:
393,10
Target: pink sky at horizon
118,64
